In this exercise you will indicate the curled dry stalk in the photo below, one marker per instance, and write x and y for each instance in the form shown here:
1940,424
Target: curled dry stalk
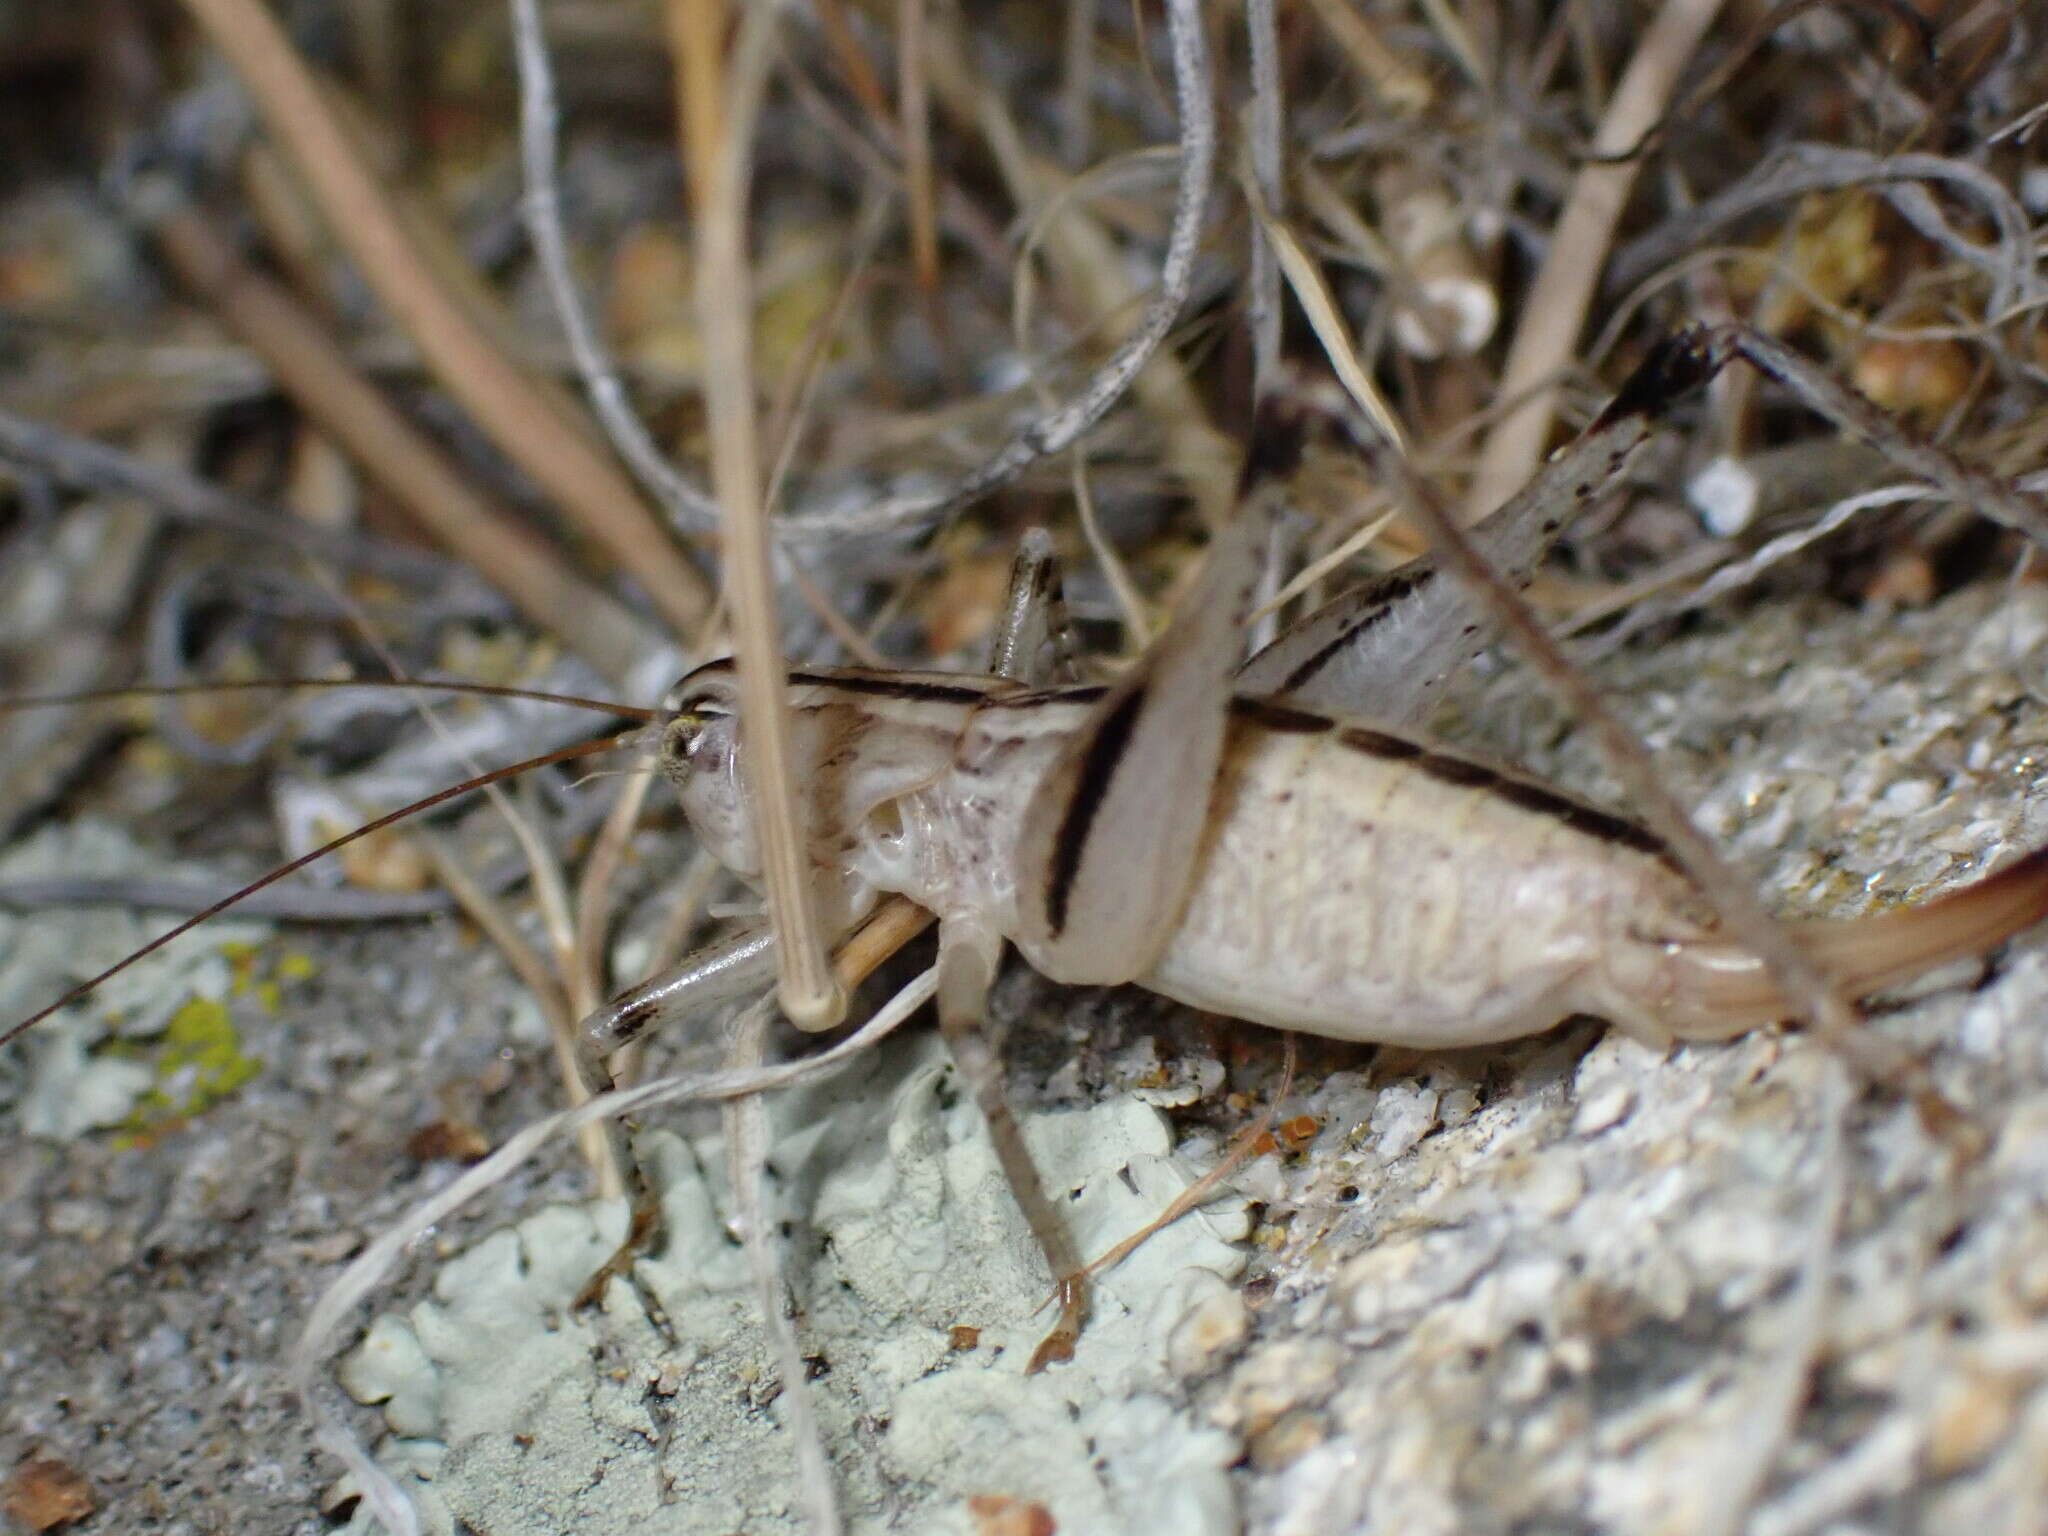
539,133
1058,426
1058,429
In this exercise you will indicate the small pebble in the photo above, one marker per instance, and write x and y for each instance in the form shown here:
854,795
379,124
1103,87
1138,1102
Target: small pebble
1287,1440
1554,1187
1973,1411
1216,1323
1606,1107
86,1219
1402,1115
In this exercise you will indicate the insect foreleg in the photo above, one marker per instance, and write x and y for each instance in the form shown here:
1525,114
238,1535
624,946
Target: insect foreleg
737,967
741,966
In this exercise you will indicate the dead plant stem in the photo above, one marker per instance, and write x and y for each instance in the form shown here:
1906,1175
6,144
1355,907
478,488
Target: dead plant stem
561,458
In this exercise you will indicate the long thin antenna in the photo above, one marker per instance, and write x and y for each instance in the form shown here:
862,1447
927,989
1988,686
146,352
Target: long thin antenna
497,775
252,685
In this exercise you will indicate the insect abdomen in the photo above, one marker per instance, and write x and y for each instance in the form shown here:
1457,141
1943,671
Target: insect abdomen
1363,886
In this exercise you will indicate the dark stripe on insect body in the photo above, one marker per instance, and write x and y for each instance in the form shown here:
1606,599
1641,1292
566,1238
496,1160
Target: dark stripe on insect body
1278,715
1460,771
1523,794
880,687
1058,693
1098,767
1394,749
1384,595
1541,800
1580,817
848,741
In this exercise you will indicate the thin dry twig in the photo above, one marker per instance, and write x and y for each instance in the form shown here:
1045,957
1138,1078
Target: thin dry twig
1242,1149
90,465
539,135
1327,321
854,68
747,1137
1077,84
1391,78
1056,430
1798,169
1266,131
596,882
914,132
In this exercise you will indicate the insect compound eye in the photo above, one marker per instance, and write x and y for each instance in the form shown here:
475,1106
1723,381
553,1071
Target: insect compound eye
680,736
694,714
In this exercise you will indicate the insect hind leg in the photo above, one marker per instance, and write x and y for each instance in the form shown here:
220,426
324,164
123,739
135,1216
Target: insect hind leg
968,954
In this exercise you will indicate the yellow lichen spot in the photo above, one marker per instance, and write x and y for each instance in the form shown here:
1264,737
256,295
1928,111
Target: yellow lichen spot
270,995
241,959
198,1063
297,967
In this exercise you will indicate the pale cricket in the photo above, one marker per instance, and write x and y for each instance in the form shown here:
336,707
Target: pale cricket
1271,838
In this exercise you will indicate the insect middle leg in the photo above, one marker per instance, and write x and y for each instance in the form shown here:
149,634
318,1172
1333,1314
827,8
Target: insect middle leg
968,956
1032,645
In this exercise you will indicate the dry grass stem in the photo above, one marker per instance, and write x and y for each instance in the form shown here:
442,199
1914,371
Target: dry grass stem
1554,310
539,130
559,456
1265,130
747,1138
914,117
315,371
717,135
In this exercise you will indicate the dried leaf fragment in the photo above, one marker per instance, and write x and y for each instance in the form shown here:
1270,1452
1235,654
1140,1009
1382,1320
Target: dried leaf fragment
998,1514
44,1493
